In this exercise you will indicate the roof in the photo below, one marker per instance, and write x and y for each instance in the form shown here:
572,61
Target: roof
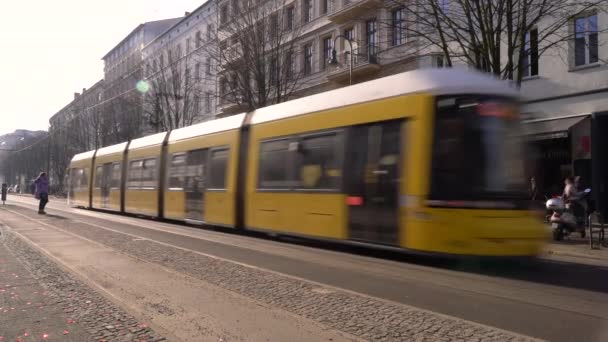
185,18
137,28
83,156
118,148
150,140
434,81
207,127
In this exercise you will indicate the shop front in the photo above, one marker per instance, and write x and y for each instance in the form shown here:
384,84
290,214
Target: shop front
561,147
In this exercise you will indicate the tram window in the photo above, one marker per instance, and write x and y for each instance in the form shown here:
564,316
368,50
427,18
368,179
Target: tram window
134,174
275,161
218,163
98,177
149,177
320,162
84,180
177,172
116,175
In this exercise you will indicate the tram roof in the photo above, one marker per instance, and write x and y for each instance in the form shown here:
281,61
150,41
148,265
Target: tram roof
435,81
207,127
118,148
150,140
83,156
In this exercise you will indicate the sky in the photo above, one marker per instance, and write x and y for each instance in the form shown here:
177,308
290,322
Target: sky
51,49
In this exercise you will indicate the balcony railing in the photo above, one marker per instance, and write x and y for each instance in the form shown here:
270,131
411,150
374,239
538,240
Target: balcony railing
363,64
345,10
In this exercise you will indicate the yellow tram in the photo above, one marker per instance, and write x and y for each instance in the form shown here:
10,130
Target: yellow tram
428,160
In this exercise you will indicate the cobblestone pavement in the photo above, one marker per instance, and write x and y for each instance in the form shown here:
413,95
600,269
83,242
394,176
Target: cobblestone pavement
365,317
41,301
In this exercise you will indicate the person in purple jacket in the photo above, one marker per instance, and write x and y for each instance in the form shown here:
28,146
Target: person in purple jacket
42,191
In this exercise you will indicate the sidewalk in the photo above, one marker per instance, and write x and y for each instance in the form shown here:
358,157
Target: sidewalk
27,312
576,250
40,301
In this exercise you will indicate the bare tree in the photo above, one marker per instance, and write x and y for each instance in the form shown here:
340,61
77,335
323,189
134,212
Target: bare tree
174,90
495,36
254,53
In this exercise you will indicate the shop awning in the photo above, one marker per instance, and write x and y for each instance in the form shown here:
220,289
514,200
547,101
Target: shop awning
551,128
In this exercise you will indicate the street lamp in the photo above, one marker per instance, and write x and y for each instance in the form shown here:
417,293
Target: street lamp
334,59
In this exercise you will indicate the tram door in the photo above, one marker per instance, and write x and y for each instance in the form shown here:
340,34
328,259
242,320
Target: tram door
196,177
372,182
106,183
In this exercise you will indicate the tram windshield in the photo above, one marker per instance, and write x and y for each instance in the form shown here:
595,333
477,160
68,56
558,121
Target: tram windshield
478,150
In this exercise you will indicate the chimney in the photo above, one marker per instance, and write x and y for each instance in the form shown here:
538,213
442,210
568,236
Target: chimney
84,90
76,95
186,14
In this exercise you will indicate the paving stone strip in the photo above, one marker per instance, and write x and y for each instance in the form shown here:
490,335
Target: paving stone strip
365,317
76,304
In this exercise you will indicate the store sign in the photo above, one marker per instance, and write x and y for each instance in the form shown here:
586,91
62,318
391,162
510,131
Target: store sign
581,140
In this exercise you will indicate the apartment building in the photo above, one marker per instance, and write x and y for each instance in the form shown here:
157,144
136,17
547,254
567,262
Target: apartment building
180,72
122,72
563,89
368,35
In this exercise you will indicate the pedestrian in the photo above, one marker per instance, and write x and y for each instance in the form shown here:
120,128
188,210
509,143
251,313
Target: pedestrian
4,192
42,191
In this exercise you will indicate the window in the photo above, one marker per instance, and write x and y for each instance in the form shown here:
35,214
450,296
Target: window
530,62
179,51
398,26
290,65
371,37
289,13
218,164
209,31
197,105
208,67
443,5
326,6
197,70
134,176
349,34
207,102
98,177
320,162
177,172
307,59
116,176
187,75
586,40
143,174
476,155
149,173
307,10
187,45
198,39
224,14
236,11
274,26
275,161
273,70
154,65
327,51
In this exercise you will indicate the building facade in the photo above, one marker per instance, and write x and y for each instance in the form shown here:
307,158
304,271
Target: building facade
179,71
123,69
368,35
563,89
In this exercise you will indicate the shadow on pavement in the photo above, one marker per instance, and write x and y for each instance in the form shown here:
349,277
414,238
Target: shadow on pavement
550,272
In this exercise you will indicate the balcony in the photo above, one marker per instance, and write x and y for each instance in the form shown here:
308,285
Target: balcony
347,10
363,65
